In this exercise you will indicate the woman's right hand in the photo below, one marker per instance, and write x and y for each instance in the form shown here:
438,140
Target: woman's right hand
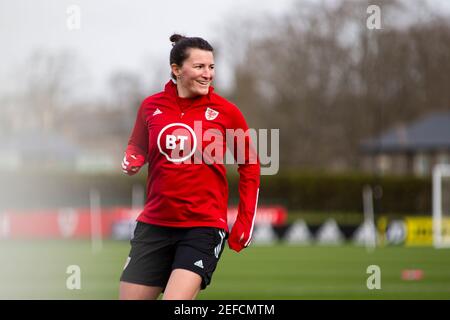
131,163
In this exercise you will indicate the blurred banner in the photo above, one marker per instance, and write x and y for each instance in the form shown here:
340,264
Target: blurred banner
411,231
115,222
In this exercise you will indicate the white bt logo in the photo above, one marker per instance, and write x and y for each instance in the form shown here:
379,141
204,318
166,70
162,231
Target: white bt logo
182,139
171,141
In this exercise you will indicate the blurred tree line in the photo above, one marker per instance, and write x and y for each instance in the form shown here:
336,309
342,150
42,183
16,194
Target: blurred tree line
317,73
327,81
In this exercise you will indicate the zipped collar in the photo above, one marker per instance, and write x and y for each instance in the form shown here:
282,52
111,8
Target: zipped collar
171,90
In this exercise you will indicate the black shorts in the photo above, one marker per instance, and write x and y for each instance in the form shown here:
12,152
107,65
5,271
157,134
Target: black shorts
157,250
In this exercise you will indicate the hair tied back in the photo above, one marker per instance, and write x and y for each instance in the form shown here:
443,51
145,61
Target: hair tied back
176,38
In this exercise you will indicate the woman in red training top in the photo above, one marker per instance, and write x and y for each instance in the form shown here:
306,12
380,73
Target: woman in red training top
183,133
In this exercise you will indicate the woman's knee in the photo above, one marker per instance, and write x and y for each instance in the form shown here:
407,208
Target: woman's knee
183,285
133,291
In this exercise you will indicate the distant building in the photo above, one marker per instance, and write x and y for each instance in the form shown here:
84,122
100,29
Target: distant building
412,149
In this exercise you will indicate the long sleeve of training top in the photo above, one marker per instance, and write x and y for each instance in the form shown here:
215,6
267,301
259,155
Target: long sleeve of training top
184,142
138,142
249,181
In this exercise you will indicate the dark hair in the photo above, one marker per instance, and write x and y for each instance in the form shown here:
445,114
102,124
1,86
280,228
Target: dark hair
180,46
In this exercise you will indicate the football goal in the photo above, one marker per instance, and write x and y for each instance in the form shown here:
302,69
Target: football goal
441,206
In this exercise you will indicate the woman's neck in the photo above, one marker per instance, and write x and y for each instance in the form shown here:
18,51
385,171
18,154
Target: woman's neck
183,92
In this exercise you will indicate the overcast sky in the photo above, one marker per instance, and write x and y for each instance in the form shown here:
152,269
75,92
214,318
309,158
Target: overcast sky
116,34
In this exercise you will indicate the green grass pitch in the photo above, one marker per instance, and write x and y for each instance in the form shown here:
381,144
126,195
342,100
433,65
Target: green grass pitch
37,270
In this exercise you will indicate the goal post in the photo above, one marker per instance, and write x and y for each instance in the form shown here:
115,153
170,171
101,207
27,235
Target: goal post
441,206
370,240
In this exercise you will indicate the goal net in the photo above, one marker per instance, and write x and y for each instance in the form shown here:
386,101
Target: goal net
441,206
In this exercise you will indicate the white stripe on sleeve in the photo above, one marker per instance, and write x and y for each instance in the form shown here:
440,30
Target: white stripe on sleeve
253,220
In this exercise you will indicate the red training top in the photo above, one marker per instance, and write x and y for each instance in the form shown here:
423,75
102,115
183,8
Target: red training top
184,142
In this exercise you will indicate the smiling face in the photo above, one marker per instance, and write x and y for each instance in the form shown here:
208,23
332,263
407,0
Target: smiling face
195,74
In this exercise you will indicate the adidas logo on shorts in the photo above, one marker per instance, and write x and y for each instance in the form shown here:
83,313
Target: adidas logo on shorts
199,263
